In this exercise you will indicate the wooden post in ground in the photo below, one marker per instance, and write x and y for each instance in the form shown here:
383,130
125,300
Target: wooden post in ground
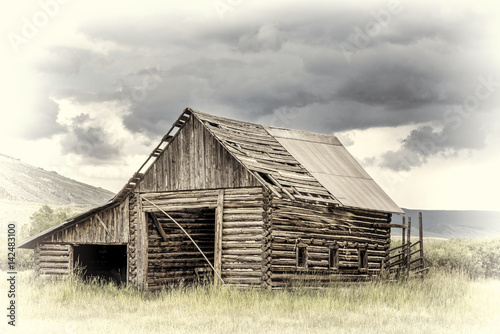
421,237
403,248
408,249
218,237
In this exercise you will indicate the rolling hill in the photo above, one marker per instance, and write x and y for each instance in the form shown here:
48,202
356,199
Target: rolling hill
453,223
25,188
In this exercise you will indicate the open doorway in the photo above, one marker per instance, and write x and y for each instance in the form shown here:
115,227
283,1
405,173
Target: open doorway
172,257
107,262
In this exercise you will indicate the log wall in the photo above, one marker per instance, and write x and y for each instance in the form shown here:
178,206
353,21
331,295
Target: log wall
105,227
177,259
132,249
243,237
194,159
53,260
319,228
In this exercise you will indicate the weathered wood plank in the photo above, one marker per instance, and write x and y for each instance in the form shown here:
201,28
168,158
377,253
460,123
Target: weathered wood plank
219,218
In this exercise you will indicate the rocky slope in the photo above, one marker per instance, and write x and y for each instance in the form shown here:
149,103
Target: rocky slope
22,182
25,188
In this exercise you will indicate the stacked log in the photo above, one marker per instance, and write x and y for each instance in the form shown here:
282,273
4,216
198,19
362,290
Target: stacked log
53,260
175,259
242,237
320,227
266,240
132,244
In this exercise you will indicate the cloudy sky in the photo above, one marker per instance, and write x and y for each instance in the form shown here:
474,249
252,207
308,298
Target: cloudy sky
411,88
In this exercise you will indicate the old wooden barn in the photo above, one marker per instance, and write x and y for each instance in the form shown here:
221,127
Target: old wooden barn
267,206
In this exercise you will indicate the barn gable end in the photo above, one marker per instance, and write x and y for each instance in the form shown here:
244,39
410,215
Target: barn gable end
194,159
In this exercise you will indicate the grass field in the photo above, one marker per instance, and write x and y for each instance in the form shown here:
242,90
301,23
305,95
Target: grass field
461,294
442,303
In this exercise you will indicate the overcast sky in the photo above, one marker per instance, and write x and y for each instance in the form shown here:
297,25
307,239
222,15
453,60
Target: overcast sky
411,88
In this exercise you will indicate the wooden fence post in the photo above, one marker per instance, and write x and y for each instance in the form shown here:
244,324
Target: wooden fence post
408,259
421,237
403,248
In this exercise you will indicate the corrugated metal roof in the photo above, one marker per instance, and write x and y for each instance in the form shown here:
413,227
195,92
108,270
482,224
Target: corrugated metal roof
335,168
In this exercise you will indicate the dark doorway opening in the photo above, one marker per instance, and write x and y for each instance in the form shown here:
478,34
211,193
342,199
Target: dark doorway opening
106,262
175,259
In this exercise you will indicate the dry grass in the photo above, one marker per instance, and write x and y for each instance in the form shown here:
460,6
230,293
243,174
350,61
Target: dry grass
442,303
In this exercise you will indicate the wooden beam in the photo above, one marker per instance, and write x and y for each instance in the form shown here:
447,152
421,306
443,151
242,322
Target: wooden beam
389,225
266,184
218,236
277,184
141,244
104,226
158,226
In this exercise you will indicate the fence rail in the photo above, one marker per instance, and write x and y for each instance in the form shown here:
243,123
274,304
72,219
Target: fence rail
408,258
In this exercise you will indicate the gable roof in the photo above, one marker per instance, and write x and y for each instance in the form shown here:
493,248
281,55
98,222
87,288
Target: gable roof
303,165
299,164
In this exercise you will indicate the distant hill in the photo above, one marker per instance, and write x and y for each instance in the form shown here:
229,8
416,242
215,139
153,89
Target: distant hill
25,188
453,223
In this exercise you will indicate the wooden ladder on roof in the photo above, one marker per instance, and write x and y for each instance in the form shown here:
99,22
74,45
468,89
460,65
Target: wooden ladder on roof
407,259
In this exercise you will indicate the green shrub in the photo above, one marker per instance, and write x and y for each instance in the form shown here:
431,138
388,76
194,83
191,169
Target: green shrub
478,258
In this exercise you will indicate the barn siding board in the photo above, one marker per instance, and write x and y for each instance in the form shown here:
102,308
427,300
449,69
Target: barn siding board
194,159
90,230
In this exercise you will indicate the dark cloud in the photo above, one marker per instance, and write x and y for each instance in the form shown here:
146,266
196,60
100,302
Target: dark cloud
286,64
93,143
426,141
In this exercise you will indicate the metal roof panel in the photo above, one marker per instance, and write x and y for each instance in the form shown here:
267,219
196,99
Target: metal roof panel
335,168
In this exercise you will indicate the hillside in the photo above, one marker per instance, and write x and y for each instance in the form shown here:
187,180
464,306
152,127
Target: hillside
24,188
454,223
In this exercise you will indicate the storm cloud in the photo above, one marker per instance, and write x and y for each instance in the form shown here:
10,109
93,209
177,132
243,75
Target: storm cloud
285,65
93,143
